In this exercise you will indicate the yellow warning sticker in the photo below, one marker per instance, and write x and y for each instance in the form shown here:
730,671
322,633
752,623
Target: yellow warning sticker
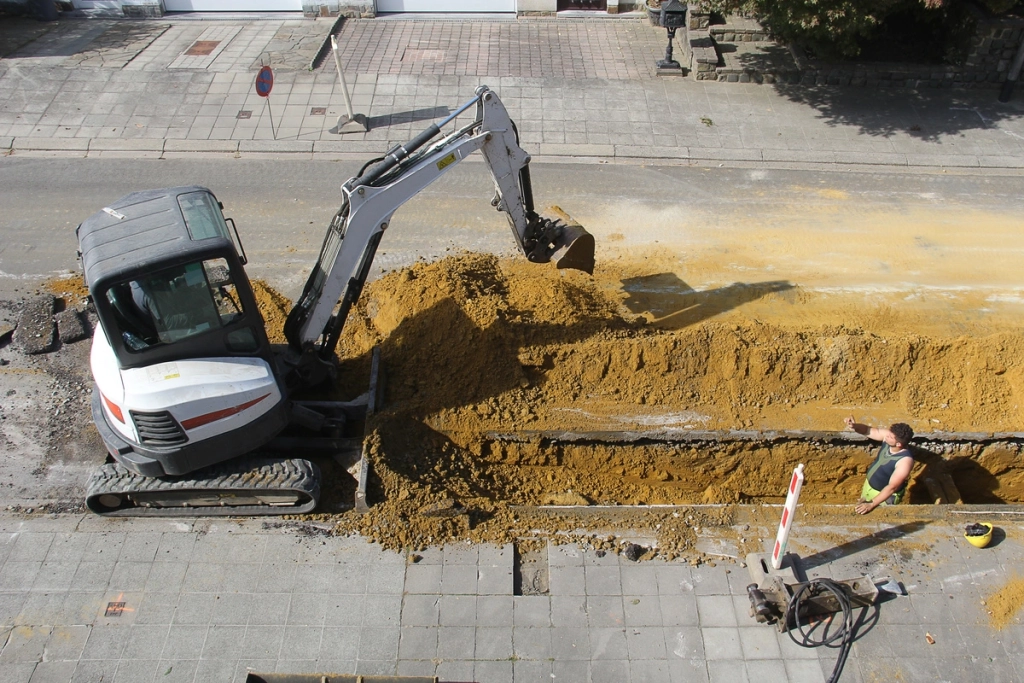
163,372
447,161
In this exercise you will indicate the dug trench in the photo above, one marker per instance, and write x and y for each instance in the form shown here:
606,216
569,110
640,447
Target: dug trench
522,401
525,402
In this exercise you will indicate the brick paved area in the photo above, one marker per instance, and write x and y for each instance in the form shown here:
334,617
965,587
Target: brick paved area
530,48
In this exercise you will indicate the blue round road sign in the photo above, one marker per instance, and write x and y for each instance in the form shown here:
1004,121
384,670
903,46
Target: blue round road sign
264,81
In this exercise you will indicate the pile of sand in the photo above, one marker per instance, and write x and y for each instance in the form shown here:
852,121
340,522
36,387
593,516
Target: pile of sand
474,345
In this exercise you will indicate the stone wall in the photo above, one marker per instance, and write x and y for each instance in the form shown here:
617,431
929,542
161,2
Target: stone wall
355,9
992,49
143,8
700,57
993,44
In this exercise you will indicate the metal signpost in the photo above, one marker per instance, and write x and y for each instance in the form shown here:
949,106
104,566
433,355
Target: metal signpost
264,84
350,123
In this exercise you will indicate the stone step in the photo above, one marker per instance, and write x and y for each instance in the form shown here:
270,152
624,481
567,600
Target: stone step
745,62
735,34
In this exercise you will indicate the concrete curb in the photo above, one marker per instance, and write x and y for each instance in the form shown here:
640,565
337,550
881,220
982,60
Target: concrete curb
201,145
356,149
788,155
872,158
966,160
1000,162
129,145
278,146
51,144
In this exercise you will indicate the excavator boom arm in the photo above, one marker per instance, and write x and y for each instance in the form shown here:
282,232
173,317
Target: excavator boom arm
371,198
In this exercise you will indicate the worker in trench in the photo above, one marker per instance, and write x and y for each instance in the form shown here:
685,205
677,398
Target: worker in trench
886,481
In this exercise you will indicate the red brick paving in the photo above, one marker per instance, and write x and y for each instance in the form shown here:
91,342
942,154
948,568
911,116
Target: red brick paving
529,48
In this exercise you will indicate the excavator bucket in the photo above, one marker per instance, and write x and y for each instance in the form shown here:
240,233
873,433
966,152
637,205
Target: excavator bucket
574,246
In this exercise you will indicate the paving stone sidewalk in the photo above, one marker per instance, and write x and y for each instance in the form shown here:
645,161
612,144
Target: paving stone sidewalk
576,87
84,599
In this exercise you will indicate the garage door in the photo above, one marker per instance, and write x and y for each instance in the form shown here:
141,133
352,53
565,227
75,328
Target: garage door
233,6
446,5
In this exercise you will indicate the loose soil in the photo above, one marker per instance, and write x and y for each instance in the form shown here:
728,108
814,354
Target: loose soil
479,351
485,358
1005,603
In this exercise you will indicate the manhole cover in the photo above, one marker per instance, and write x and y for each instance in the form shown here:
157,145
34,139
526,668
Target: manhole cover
114,609
244,114
201,48
318,111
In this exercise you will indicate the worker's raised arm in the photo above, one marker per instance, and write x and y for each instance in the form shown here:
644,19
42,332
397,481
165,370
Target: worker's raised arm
868,431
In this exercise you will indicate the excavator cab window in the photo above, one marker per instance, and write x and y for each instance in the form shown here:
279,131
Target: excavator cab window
177,303
203,217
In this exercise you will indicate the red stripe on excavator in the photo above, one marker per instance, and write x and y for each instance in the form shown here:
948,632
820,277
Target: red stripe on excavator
206,419
114,409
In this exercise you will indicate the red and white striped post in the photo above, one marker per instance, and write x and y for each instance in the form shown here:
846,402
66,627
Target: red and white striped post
782,538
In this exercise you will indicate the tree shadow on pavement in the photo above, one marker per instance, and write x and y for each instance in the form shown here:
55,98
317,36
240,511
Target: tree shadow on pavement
928,116
675,304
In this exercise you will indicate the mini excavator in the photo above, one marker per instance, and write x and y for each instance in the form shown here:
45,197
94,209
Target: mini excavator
190,394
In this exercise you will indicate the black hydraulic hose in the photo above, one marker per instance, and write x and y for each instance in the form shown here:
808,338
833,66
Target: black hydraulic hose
526,185
844,634
395,155
368,164
399,152
396,171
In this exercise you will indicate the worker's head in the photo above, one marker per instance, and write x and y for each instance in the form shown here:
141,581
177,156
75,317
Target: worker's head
902,434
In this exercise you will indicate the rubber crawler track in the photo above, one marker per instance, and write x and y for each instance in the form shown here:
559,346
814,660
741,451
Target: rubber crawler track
261,474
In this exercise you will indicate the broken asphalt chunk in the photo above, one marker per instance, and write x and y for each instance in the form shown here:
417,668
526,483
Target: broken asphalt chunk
71,326
35,332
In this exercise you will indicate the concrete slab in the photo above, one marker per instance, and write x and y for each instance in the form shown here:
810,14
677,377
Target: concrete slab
50,144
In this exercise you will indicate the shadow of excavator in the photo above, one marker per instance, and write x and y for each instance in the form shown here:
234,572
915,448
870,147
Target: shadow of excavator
675,304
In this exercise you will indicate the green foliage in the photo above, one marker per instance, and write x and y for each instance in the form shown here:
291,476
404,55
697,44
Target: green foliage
998,6
835,29
829,28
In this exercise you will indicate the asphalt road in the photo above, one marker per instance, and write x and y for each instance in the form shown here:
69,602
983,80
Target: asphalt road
816,228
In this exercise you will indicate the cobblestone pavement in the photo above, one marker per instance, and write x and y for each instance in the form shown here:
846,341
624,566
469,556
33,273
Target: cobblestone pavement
83,599
577,87
558,48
